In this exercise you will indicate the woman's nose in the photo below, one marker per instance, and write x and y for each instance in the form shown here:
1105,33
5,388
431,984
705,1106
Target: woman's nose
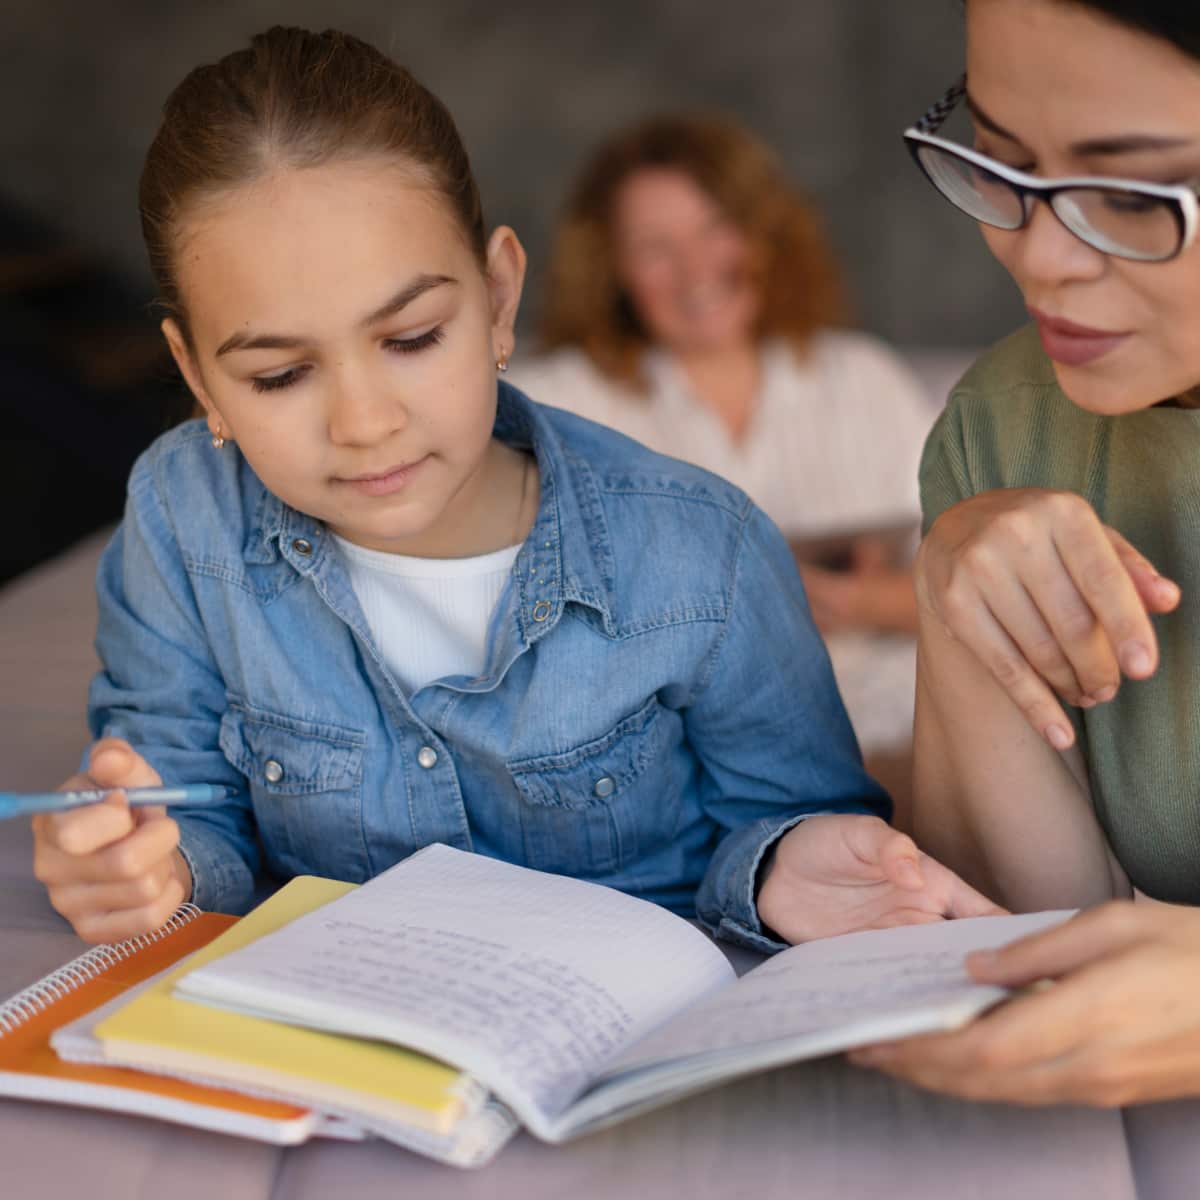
1048,253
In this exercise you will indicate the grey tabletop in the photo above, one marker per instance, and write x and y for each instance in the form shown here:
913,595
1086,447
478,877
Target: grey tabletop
820,1129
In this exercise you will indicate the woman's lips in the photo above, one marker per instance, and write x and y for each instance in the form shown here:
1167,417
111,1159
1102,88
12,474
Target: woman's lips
394,479
1071,344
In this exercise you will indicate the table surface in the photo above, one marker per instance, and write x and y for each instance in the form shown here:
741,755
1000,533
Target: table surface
813,1130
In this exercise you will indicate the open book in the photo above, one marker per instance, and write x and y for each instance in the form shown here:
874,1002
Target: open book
578,1005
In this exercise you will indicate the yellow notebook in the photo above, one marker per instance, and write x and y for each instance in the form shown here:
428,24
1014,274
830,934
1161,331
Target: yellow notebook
347,1076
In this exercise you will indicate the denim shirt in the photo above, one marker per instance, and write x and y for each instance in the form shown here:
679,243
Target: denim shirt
656,709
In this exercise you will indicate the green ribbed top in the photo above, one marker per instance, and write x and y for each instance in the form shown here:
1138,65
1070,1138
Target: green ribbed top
1008,424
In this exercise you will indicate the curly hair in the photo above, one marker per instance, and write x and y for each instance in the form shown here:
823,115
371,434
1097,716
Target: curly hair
585,305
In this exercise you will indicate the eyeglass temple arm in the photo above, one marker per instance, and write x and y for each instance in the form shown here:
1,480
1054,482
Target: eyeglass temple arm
942,107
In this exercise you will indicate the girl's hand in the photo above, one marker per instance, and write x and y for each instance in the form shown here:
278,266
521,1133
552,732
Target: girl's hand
1047,597
1120,1026
112,871
843,873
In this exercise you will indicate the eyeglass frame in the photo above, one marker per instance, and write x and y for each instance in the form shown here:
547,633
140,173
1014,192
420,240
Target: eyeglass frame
1185,198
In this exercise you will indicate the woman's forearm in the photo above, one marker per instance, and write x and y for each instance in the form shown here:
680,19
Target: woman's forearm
991,799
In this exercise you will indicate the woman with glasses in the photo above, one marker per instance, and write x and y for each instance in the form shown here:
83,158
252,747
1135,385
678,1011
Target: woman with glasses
1063,475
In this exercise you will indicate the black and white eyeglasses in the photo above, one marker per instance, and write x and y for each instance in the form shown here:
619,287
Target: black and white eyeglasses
1147,222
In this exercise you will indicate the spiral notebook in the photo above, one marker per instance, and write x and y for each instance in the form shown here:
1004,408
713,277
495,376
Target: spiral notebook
30,1069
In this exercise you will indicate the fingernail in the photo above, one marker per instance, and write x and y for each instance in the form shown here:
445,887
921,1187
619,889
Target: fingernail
1135,659
1088,702
1104,694
1058,737
1167,587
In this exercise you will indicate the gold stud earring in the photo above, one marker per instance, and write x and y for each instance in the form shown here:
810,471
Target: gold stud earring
502,363
218,438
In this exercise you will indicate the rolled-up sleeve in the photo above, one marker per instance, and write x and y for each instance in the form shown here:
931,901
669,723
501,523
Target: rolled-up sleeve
770,730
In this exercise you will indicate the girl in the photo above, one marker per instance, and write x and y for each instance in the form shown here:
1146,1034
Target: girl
695,305
385,603
1065,441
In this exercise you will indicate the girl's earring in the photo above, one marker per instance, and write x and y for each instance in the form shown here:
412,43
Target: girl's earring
218,439
502,363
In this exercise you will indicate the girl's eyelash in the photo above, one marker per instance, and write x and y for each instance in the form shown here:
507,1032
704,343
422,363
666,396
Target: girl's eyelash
421,342
271,383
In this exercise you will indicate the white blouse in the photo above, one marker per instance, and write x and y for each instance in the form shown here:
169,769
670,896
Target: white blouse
832,447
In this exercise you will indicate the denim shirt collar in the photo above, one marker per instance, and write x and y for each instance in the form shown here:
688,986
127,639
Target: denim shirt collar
567,556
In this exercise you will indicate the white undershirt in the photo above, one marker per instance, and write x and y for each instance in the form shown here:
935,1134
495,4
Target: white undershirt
429,616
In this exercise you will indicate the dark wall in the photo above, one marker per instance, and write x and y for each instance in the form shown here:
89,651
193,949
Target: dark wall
534,84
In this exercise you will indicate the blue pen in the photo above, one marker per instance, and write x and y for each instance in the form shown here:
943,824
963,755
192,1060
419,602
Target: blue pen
22,804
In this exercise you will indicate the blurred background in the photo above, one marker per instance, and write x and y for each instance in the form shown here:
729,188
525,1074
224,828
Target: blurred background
534,85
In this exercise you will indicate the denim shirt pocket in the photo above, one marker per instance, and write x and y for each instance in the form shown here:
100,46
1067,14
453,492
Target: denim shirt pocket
305,781
606,803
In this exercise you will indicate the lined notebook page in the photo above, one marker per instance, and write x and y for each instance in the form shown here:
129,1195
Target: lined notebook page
530,981
845,991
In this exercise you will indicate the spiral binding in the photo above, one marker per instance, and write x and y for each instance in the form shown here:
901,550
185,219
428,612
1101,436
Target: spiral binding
36,998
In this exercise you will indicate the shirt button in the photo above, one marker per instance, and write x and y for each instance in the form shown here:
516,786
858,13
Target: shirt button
427,757
604,786
273,771
302,546
541,610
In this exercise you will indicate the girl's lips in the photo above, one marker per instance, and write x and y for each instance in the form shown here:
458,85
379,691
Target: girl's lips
1074,345
394,480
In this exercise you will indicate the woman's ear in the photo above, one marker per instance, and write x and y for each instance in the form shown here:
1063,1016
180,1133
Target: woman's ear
506,277
190,372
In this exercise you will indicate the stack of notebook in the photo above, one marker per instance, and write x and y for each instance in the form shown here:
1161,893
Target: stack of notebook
165,1058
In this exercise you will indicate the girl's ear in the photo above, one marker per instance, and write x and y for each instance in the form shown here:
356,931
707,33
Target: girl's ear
506,276
191,374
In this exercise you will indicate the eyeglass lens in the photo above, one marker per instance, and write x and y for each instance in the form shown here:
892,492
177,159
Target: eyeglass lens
1111,220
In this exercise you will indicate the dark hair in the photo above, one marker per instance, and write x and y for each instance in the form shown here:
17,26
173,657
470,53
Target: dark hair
585,304
1175,21
293,99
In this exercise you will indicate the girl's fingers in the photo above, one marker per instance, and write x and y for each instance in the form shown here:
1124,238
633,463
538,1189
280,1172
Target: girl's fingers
1064,948
81,900
125,859
131,922
114,763
960,899
1157,593
974,624
86,830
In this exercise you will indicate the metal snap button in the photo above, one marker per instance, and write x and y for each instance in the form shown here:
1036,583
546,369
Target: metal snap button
541,610
302,546
427,757
604,786
272,771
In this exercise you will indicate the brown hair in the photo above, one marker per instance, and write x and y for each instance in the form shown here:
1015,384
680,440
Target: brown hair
585,305
293,99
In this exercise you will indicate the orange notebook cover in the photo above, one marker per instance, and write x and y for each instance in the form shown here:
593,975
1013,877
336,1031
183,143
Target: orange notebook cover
30,1069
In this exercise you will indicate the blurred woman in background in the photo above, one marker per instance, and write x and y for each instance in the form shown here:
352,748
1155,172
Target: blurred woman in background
693,303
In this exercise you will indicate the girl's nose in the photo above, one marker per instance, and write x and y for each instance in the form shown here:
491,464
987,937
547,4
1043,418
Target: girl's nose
362,414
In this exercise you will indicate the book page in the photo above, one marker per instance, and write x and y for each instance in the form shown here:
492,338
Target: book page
533,982
843,991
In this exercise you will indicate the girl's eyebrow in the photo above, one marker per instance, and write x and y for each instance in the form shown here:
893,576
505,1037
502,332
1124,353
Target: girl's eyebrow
245,340
1129,143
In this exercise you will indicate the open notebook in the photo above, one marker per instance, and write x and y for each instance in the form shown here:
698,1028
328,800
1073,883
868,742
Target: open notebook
31,1070
578,1005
